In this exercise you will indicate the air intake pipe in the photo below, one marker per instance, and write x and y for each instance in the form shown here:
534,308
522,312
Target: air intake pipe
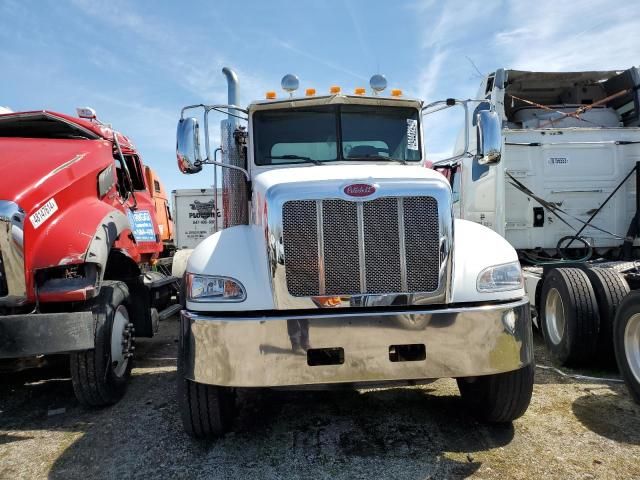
234,184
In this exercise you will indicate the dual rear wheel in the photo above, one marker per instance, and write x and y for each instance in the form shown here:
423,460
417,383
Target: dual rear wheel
577,309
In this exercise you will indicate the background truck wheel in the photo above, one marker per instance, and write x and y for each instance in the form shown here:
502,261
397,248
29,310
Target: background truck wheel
569,316
207,411
100,375
610,288
498,398
626,341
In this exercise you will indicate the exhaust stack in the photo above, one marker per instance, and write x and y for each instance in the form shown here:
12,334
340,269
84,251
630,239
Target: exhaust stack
234,185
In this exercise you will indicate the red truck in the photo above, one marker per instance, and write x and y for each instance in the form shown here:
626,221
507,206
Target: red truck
78,240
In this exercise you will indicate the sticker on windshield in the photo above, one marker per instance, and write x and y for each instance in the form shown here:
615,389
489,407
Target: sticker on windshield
412,134
41,216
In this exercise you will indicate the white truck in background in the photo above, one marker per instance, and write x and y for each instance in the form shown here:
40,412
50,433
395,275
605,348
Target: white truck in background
195,211
565,195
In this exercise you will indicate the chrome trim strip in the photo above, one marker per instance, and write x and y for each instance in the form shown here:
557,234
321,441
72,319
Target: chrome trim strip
361,247
403,247
270,351
12,245
320,228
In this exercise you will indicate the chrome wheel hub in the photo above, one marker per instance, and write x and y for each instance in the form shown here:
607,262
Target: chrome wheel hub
122,341
632,345
555,316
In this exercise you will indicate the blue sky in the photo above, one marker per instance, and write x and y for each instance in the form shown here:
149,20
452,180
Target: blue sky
137,63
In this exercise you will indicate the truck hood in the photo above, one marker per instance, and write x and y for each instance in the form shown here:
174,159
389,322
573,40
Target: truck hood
35,168
369,174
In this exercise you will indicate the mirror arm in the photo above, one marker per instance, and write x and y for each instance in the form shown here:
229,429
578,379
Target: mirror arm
224,165
217,108
444,104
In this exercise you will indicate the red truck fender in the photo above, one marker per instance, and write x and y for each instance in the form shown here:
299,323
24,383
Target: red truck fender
87,231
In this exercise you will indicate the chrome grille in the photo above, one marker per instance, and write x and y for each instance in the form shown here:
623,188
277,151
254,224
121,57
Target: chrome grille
382,246
341,255
422,243
338,247
300,237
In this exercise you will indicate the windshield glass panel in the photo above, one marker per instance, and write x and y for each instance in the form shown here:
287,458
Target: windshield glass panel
336,132
283,136
369,131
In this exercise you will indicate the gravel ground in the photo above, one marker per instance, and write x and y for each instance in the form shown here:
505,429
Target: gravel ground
573,429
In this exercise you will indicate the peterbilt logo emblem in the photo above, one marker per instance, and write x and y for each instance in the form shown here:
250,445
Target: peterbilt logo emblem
359,190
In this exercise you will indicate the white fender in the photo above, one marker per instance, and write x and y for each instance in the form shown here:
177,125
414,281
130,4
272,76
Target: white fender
179,261
240,253
477,247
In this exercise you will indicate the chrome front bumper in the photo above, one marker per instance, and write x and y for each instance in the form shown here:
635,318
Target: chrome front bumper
273,351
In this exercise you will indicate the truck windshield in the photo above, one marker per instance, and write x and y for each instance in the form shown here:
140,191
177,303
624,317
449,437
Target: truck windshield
336,133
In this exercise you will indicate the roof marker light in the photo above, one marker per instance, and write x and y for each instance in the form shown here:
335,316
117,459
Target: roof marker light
334,90
86,112
310,92
360,91
396,92
290,83
378,83
270,95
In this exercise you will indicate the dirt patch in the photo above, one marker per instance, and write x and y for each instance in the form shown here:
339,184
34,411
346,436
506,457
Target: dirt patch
573,429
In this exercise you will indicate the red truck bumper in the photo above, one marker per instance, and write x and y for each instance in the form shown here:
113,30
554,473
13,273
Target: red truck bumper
45,333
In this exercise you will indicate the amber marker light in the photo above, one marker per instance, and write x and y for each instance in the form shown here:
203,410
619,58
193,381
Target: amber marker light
310,92
270,95
334,90
396,92
360,91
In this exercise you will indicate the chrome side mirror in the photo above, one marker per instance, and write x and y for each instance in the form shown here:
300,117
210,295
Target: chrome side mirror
489,135
188,146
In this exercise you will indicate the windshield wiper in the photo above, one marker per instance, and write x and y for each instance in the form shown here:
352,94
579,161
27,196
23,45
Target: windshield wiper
294,157
377,157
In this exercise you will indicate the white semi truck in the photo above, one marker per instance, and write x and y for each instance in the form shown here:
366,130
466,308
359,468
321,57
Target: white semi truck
340,262
565,194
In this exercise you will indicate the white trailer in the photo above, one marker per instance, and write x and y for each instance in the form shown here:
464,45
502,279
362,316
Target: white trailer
194,212
564,194
340,263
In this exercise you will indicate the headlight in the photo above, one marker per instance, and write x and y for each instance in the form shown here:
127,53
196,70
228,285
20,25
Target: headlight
500,278
206,288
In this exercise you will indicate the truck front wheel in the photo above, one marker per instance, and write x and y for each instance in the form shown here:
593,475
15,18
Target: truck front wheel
207,411
100,375
626,341
499,398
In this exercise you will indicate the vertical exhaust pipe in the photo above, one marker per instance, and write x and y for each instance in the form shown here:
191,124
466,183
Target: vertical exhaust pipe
232,86
234,186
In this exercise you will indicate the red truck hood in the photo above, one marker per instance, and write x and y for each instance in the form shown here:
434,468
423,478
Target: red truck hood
35,168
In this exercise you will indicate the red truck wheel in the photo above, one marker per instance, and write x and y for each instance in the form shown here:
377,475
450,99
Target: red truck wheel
100,375
626,342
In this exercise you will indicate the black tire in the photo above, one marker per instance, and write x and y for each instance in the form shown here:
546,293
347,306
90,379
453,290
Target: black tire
499,398
610,288
95,378
207,411
576,342
628,308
